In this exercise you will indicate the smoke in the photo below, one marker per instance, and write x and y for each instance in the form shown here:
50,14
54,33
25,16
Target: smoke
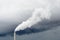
39,14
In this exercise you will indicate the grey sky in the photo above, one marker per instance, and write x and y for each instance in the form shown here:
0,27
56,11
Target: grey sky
15,11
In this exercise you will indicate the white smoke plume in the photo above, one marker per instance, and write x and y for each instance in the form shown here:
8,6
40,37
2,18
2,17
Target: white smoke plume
40,13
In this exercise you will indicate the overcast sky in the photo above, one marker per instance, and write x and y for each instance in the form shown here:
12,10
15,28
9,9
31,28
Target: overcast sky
15,11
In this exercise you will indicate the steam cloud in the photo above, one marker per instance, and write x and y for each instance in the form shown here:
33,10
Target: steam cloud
37,16
43,12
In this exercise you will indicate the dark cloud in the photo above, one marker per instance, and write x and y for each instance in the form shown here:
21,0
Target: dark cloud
39,28
35,29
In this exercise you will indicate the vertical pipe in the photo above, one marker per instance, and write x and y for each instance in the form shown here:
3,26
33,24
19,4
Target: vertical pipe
14,35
